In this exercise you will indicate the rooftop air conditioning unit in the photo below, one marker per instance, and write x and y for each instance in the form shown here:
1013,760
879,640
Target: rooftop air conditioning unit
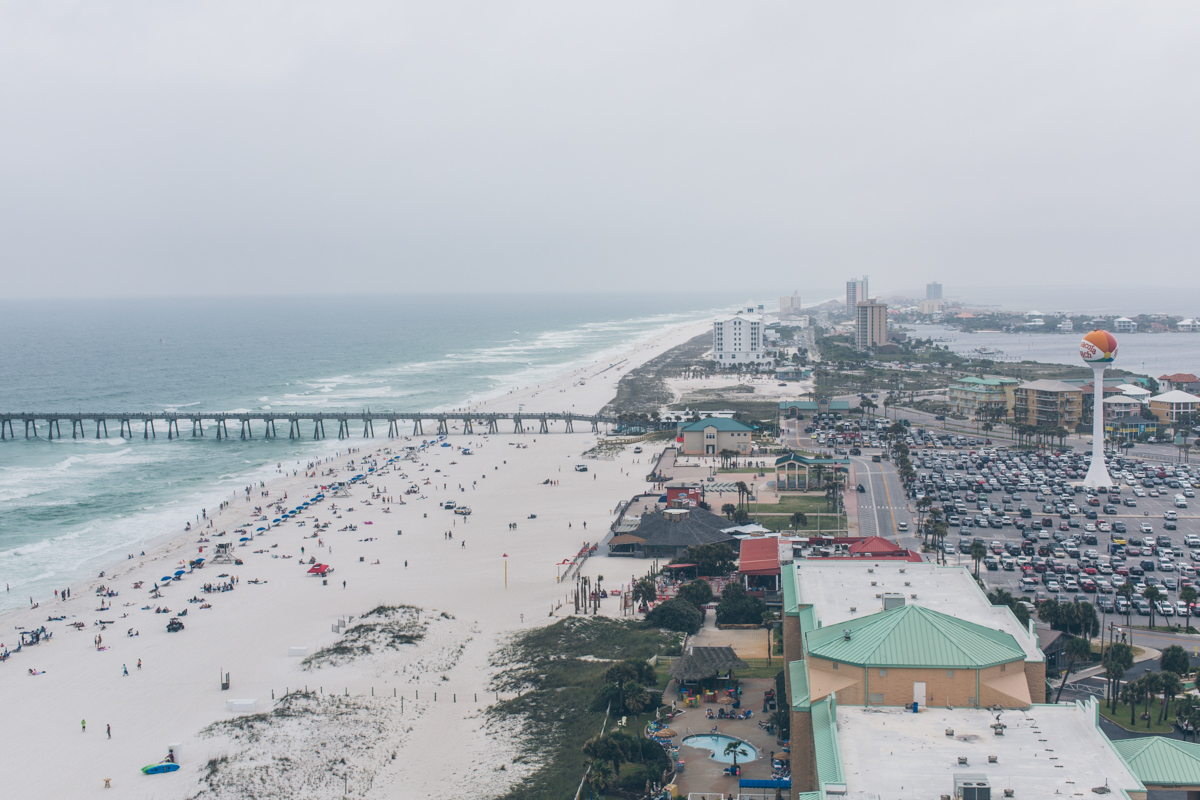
971,787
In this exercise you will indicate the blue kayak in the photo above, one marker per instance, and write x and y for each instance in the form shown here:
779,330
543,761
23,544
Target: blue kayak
154,769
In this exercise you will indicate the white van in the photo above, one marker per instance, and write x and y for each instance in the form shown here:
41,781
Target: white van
1180,501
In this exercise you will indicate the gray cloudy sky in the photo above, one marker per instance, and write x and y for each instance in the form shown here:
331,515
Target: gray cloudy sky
178,148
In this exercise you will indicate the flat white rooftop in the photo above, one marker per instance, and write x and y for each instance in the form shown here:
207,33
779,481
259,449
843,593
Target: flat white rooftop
1047,751
833,588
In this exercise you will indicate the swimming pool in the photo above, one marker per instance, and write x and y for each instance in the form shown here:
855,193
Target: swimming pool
716,743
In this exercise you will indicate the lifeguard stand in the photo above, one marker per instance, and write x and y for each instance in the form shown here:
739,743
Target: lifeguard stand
223,554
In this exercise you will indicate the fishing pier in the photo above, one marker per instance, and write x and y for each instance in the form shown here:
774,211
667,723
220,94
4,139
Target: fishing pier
268,424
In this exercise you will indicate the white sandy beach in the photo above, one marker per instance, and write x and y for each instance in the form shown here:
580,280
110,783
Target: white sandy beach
371,746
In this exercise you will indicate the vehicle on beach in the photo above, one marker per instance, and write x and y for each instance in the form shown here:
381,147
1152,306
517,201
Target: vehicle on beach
463,510
581,467
449,505
174,625
637,449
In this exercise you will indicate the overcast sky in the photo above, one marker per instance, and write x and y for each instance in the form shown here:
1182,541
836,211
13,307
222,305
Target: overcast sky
203,148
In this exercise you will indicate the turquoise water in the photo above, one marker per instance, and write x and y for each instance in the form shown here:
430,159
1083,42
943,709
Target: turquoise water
69,506
717,744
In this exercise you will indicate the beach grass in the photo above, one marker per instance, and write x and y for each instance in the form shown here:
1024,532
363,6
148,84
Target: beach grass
559,671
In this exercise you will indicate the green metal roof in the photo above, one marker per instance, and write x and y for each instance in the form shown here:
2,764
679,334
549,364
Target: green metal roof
825,741
798,673
790,605
808,620
1158,761
914,636
803,405
720,423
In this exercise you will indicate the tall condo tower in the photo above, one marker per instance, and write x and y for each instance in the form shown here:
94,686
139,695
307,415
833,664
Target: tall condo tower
856,292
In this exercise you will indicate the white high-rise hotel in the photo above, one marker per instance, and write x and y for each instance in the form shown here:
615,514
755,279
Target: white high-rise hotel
738,340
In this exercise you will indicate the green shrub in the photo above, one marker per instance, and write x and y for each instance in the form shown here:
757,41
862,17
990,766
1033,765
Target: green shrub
676,615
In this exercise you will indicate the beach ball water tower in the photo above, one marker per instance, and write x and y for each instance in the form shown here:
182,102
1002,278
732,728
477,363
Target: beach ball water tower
1098,349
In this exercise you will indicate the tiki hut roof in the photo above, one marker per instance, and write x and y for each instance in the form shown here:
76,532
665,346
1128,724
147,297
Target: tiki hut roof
705,662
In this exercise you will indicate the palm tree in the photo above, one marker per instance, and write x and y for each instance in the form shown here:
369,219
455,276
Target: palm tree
600,775
1078,649
1170,685
743,491
1153,595
1117,662
1126,590
1189,595
728,509
978,553
799,520
736,748
1130,694
644,592
1152,683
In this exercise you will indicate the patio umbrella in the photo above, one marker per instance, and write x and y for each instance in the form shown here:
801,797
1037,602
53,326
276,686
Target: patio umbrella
665,733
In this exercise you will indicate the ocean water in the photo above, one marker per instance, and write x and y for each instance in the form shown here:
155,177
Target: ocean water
67,506
1152,354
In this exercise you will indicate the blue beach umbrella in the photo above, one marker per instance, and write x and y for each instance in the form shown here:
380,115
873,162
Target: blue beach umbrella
166,579
276,520
179,572
261,529
244,539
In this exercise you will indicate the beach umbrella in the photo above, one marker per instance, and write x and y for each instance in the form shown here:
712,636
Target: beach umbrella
244,539
165,578
368,522
665,733
179,572
262,529
198,560
276,520
317,568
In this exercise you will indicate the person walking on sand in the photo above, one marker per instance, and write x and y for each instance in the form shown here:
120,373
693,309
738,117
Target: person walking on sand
83,722
124,671
109,727
139,663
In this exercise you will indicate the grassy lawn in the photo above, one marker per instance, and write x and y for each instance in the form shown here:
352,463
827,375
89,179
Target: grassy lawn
758,668
791,503
1121,717
816,522
739,469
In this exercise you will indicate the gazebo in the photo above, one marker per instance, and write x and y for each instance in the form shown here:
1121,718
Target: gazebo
698,672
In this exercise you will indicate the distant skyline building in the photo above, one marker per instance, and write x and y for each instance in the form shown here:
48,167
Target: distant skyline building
789,305
870,324
856,292
933,291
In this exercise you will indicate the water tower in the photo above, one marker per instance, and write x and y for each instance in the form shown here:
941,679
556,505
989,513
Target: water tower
1098,349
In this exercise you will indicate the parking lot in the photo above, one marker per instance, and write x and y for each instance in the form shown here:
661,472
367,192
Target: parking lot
1073,547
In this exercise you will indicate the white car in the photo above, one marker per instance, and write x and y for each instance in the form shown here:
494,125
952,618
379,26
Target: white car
1139,491
1192,540
901,526
1181,608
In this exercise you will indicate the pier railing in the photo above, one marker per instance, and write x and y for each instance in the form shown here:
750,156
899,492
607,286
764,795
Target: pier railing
268,423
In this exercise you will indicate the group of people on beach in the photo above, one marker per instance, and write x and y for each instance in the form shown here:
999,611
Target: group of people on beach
211,588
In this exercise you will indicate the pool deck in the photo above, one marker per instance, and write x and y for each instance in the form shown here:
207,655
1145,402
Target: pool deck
702,773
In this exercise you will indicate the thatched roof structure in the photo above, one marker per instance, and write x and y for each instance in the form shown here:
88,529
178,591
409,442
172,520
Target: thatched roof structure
705,662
